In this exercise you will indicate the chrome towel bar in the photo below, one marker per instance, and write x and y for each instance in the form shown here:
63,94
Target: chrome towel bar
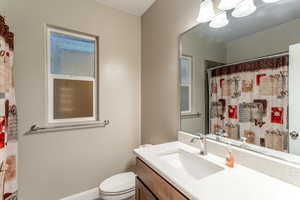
34,129
192,115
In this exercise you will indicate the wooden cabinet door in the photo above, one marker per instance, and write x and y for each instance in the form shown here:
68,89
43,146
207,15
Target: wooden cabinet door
158,186
142,193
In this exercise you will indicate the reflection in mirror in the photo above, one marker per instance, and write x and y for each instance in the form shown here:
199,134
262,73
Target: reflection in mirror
186,84
240,81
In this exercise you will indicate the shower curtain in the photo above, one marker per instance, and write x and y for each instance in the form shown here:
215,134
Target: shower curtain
8,116
250,100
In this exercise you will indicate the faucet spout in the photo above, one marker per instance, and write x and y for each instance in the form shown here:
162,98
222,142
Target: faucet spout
203,142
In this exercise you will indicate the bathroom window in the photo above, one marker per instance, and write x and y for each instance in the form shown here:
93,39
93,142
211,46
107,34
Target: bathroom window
186,67
72,76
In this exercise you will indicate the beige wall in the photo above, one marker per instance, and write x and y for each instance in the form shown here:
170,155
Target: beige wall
55,165
161,27
270,41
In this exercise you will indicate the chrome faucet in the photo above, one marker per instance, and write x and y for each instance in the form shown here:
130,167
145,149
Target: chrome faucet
244,142
203,147
220,133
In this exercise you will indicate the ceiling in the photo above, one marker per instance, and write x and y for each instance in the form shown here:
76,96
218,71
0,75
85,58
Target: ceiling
134,7
266,16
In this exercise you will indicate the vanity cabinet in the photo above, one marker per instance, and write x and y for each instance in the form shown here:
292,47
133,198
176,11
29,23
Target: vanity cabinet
148,181
142,192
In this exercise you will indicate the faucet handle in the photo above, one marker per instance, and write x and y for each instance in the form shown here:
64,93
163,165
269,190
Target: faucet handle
243,139
201,135
224,134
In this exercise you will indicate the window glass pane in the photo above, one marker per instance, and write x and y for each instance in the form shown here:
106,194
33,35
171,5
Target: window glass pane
72,55
185,70
185,98
73,99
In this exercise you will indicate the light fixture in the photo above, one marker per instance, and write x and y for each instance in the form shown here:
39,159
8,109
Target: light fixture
270,1
228,4
245,8
242,8
219,21
206,12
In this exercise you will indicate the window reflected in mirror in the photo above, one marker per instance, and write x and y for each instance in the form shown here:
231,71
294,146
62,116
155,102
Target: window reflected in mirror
186,84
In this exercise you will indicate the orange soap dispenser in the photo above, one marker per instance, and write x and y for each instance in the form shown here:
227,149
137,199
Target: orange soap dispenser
230,159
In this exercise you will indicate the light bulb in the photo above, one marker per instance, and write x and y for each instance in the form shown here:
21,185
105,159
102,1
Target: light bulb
228,4
245,8
219,21
270,1
206,12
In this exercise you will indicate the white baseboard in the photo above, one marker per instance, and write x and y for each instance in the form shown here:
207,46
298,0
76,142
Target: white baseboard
87,195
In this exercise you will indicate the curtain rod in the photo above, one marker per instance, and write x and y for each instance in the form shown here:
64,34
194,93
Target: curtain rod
285,53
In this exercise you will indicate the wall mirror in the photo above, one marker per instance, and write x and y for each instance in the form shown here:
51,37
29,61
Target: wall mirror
240,83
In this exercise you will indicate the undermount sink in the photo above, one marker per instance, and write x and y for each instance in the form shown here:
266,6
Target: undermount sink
189,164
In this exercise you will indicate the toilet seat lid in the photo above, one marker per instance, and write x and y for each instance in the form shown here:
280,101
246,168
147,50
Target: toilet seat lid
118,183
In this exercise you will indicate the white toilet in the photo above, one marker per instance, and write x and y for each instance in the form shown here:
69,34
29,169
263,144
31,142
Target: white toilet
118,187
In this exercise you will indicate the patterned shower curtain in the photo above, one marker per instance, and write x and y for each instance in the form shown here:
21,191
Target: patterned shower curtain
250,100
8,116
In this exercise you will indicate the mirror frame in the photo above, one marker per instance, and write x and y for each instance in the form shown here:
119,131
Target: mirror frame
283,156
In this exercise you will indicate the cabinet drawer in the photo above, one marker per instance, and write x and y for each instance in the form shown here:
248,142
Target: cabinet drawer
142,192
159,186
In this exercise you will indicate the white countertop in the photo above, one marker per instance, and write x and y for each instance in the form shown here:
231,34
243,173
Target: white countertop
238,183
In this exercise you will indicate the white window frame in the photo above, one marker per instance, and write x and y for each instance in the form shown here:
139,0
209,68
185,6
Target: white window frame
190,85
51,77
